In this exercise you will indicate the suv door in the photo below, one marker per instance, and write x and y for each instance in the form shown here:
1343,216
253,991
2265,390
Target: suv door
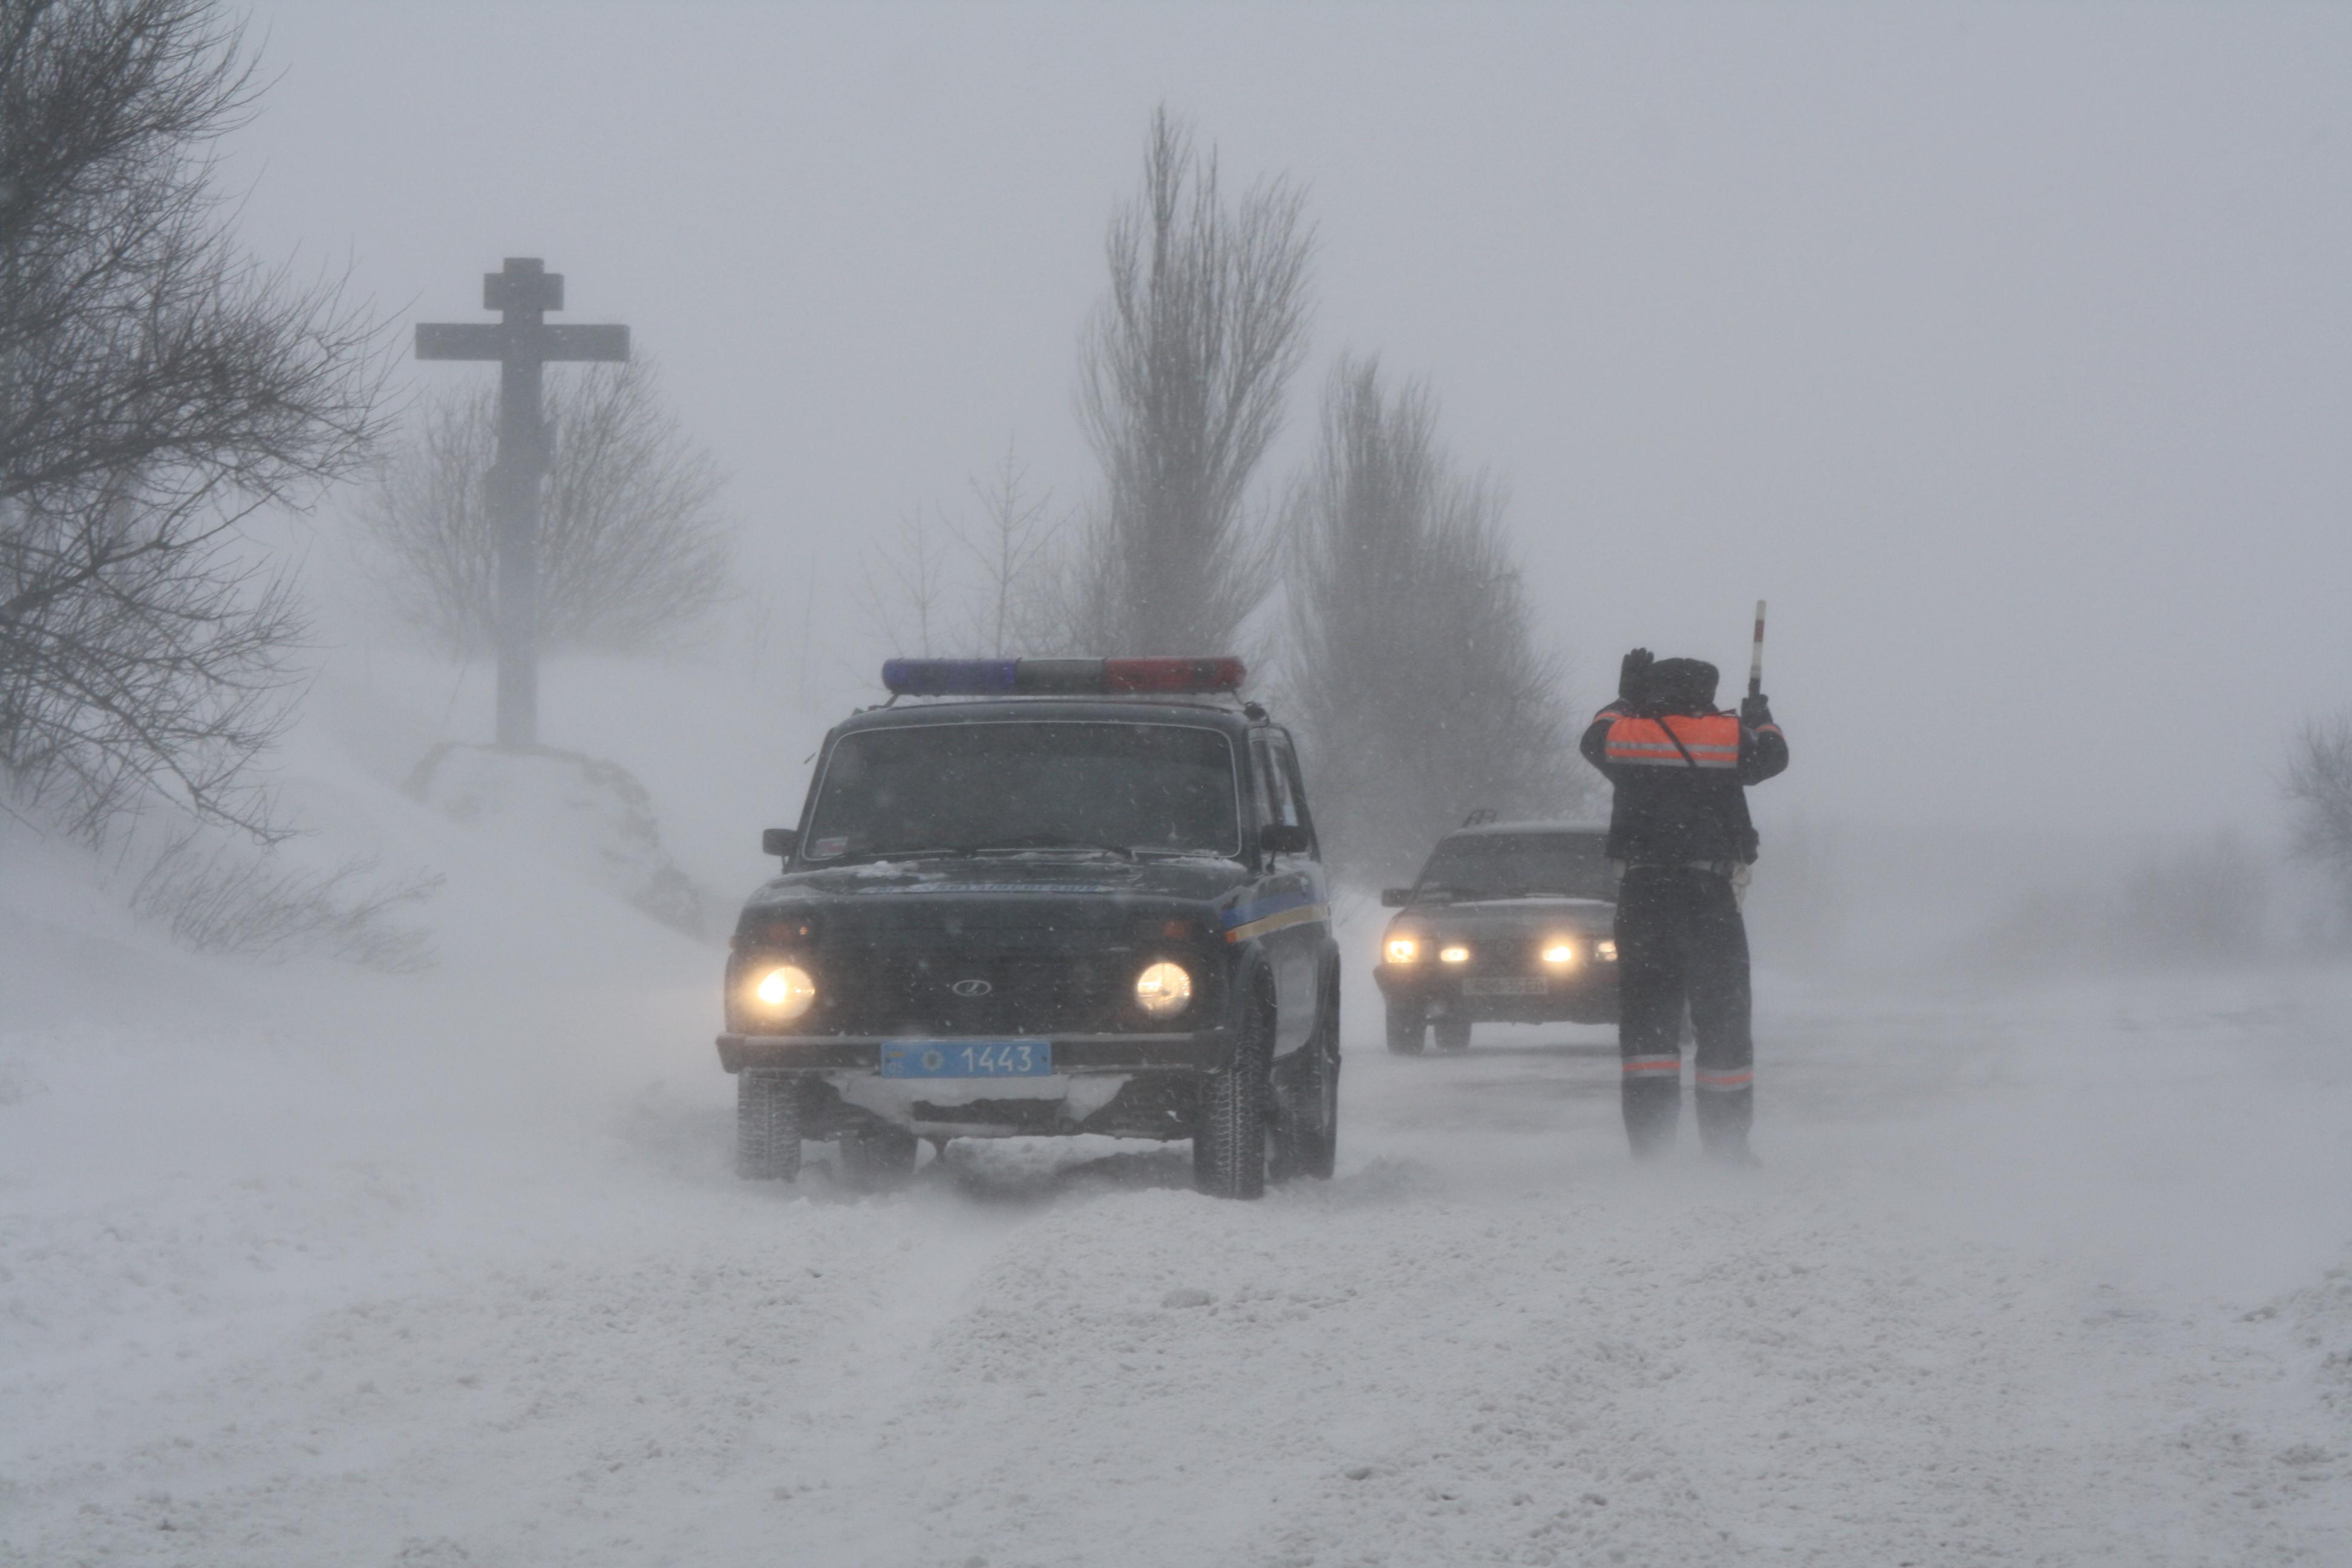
1292,893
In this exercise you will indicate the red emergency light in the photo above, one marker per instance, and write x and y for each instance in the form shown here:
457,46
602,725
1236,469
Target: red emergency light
1222,674
1060,677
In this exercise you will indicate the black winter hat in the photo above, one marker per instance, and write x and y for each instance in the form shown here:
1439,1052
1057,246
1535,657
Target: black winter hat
1684,685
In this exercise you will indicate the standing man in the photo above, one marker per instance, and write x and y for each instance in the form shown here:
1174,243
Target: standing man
1679,827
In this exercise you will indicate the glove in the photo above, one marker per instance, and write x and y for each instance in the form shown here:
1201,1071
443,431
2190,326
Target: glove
1755,711
1634,677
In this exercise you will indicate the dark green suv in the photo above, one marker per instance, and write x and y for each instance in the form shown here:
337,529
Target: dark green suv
1043,897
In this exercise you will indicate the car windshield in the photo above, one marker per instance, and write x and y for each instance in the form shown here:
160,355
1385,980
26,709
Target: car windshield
1520,865
1125,788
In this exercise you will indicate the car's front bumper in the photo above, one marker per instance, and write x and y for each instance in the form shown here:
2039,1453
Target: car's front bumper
1585,991
1198,1050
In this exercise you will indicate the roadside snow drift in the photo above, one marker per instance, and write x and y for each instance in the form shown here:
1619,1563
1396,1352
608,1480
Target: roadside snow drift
304,1264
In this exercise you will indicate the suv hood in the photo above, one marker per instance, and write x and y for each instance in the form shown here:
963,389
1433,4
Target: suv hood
1204,878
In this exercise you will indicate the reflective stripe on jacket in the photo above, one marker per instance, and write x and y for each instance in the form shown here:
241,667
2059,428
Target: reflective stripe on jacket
1670,809
1711,741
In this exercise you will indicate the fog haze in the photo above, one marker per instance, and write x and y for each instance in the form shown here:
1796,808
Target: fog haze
376,1195
2005,350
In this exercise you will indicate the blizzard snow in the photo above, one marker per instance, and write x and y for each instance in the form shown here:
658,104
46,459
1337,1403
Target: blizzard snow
306,1266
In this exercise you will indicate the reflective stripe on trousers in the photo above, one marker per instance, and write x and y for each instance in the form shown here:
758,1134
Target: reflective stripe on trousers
1680,943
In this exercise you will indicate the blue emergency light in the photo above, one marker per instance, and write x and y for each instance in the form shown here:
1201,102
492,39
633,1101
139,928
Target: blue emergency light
1059,676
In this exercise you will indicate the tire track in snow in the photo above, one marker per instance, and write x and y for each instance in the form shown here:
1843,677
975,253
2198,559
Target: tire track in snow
1488,1341
621,1401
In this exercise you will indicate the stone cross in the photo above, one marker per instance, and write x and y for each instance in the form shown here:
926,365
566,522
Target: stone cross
522,343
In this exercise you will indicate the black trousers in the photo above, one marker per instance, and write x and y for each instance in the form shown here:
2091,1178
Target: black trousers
1680,939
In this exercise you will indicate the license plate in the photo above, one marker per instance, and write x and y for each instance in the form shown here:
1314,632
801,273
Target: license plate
967,1059
1505,987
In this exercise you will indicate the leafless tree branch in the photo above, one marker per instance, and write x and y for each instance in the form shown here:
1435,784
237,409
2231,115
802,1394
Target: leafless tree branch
2318,788
1420,690
1010,545
903,583
231,897
157,388
1182,376
635,546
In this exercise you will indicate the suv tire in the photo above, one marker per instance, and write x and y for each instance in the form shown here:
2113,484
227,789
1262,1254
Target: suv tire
767,1126
1229,1147
1309,1129
1406,1029
873,1158
1453,1034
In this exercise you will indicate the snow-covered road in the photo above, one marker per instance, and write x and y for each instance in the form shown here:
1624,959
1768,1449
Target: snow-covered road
2055,1281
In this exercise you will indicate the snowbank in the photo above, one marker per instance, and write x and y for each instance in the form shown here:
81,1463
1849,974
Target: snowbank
306,1264
564,810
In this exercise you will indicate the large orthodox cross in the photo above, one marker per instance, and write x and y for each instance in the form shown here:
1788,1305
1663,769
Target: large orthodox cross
522,343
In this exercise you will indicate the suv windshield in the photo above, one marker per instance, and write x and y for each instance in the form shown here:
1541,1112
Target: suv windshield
1520,865
1124,787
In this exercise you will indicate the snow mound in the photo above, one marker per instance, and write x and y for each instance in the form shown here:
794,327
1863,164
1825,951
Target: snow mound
590,816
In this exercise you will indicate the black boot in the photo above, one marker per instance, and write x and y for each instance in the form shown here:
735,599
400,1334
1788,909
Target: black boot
1723,1118
1653,1107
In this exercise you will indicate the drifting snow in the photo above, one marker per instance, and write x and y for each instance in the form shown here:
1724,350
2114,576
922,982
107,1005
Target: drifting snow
304,1265
566,810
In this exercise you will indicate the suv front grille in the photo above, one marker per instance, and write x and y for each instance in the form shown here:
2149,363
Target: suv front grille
883,992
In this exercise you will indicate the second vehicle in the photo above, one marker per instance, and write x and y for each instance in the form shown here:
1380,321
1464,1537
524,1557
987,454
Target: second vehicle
1509,922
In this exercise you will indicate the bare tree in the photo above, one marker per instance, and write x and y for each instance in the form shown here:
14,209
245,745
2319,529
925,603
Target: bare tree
1181,373
903,580
1010,545
2318,786
1419,691
940,583
634,545
157,388
229,897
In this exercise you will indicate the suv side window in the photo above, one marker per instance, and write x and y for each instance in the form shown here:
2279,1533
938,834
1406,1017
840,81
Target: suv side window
1273,791
1293,787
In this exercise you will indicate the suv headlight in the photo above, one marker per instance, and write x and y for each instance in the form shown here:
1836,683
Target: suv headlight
1163,990
1560,953
1404,950
783,992
1457,953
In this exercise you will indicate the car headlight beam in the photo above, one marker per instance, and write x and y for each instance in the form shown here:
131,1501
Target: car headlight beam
783,992
1560,953
1163,989
1457,953
1404,950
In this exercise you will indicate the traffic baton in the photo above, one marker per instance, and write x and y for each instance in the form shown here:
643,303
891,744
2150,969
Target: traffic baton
1756,656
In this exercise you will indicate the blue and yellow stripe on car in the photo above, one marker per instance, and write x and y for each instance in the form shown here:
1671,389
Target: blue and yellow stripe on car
1279,912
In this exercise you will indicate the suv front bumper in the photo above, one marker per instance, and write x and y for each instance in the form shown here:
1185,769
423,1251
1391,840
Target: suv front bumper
1198,1050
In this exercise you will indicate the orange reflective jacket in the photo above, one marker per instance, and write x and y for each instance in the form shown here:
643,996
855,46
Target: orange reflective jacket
1709,741
1671,808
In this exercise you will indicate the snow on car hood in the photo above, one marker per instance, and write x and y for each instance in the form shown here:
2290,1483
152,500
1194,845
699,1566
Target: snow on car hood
1203,877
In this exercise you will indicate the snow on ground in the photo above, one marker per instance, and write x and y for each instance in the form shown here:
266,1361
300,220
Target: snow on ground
304,1265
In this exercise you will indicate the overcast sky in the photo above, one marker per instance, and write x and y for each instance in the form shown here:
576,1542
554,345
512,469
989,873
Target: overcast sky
2008,351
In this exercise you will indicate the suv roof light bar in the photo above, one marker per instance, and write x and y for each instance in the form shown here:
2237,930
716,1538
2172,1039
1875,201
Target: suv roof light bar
1059,676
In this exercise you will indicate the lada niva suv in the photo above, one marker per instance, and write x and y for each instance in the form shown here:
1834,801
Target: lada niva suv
1509,922
1043,897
